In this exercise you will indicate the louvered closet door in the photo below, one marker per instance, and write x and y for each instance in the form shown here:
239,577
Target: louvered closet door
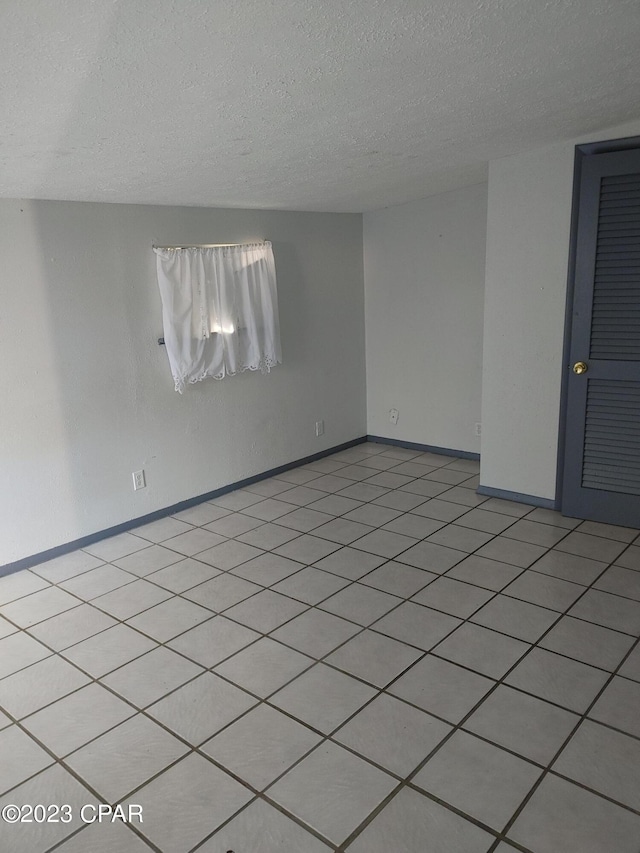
602,455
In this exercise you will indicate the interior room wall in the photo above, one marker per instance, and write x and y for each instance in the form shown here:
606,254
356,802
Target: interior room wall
424,290
528,232
87,395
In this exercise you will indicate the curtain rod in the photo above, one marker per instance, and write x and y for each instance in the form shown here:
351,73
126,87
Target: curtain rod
209,245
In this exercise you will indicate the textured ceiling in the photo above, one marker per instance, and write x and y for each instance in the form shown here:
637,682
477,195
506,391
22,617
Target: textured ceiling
298,104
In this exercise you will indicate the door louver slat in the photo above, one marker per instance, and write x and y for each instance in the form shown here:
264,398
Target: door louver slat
606,418
623,274
614,447
618,204
616,215
623,321
617,195
618,229
618,259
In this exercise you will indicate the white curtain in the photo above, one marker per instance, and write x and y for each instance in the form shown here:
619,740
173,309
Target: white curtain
220,310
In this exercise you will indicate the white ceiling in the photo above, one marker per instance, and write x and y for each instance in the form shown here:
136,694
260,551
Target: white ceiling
335,105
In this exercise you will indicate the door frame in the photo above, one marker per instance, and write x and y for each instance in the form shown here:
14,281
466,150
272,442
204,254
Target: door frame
581,153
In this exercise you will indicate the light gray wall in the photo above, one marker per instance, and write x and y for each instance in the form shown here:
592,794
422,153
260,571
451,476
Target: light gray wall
528,225
87,395
424,289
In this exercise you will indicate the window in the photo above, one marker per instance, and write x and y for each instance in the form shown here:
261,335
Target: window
219,309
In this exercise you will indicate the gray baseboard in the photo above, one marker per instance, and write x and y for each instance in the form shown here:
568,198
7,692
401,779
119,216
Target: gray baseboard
505,494
424,448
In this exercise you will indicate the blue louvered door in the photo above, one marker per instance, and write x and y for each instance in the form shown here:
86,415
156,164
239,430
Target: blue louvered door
602,443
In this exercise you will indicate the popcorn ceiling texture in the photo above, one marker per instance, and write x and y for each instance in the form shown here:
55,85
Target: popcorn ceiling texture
298,104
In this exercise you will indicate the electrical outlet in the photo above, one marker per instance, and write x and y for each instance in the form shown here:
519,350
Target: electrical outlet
478,429
319,428
139,481
393,416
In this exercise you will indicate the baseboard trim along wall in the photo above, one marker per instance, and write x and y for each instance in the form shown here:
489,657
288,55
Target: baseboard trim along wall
424,448
505,494
59,550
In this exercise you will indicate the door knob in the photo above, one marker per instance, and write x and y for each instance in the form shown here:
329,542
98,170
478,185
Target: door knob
580,367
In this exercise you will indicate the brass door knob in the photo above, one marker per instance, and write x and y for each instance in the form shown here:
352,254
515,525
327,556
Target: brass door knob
580,367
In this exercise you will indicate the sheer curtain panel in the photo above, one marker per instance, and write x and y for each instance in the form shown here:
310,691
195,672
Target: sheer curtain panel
219,310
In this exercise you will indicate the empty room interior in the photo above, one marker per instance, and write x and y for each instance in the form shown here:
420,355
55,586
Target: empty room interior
320,427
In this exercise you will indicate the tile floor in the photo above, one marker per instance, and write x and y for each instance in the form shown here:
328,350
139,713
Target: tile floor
360,654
